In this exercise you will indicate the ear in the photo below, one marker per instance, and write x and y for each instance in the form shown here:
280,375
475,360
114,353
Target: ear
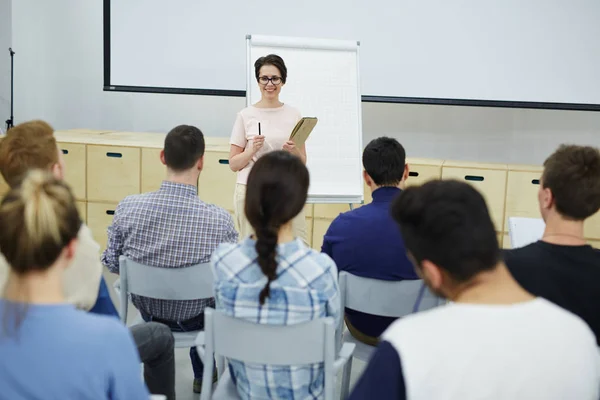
367,179
162,157
406,172
200,163
70,250
432,275
546,198
56,171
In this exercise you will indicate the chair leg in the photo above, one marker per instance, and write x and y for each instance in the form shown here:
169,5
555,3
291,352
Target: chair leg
347,370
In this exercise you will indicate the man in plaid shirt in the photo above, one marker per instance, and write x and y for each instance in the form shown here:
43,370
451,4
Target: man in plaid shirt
172,228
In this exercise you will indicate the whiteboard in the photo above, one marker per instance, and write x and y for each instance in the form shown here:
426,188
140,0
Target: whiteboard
509,50
323,82
524,231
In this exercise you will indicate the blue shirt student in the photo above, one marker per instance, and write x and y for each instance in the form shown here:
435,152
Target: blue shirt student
58,352
366,242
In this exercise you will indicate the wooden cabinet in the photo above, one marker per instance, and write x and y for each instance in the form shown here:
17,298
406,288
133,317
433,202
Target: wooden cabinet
523,183
82,209
112,172
153,170
74,155
99,217
488,179
217,180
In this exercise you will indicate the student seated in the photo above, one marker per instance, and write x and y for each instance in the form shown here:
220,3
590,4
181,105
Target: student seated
32,145
366,242
562,267
172,228
494,340
273,278
49,349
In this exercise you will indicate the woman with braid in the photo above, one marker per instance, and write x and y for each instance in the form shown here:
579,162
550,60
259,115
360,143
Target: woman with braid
273,278
48,348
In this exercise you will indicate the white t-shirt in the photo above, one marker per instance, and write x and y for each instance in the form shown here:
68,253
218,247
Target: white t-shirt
276,126
528,351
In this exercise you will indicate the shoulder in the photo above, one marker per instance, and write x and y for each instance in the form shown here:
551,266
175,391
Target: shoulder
223,255
292,110
522,256
86,238
218,214
105,328
246,112
132,201
316,267
418,329
568,321
344,220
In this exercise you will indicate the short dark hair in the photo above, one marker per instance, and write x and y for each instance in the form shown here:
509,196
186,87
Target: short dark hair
384,160
276,192
274,60
572,173
448,223
184,146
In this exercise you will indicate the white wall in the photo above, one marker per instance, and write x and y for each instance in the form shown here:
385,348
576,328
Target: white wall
5,43
60,75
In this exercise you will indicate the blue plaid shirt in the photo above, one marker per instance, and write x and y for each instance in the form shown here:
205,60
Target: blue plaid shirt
169,228
306,288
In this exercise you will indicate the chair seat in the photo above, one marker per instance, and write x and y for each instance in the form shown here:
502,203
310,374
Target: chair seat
362,351
182,339
225,390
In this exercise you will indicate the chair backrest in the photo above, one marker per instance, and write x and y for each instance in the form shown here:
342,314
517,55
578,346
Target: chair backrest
385,298
189,283
305,343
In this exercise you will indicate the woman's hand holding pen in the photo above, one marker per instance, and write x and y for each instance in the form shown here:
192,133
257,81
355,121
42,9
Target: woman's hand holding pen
258,142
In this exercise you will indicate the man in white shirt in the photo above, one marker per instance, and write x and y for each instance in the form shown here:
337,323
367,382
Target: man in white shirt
494,340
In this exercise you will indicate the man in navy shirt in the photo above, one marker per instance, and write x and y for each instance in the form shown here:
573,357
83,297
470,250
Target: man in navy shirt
366,242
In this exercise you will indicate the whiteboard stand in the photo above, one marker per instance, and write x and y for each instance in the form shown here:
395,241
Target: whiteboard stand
323,82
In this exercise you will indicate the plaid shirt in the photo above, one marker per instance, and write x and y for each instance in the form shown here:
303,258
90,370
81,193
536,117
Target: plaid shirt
169,228
306,288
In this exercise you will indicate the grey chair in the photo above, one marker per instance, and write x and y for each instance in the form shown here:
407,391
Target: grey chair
189,283
306,343
377,297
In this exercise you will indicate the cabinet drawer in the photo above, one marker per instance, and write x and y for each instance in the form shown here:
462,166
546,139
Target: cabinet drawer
522,195
217,181
490,183
75,159
100,216
153,170
112,172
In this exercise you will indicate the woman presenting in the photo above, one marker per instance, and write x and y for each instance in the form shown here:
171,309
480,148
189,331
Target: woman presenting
259,129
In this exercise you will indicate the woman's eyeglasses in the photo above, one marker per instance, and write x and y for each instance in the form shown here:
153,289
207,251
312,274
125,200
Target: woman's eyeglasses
264,80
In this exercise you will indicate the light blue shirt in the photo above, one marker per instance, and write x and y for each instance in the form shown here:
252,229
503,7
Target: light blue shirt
305,288
58,352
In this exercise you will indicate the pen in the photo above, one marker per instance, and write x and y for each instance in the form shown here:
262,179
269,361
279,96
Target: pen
259,128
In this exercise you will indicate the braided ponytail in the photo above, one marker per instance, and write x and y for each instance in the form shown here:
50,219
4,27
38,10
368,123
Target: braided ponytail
276,192
266,248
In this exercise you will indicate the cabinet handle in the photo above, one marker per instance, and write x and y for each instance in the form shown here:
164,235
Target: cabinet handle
474,178
223,161
110,212
535,181
413,173
114,155
65,151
